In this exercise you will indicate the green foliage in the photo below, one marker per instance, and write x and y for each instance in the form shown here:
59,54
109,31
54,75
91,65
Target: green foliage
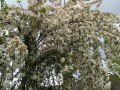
114,77
43,10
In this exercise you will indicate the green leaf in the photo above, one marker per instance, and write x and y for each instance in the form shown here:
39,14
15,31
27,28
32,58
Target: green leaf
43,10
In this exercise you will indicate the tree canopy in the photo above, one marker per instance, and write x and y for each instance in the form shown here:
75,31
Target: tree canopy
45,45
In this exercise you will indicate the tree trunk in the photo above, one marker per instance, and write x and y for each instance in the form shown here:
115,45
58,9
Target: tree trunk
29,70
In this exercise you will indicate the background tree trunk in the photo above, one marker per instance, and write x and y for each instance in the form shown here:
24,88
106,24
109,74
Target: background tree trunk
115,85
29,70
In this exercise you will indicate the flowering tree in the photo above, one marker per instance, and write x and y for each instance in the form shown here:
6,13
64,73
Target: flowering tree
44,45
